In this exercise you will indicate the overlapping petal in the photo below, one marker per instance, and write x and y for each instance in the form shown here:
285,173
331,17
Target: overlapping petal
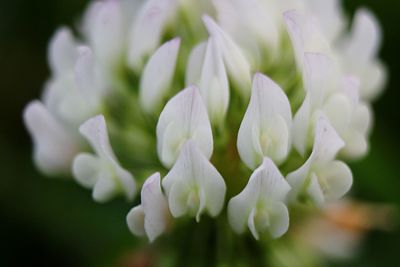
236,63
265,129
261,205
102,172
152,216
184,117
157,75
321,178
194,185
206,69
147,29
54,146
306,35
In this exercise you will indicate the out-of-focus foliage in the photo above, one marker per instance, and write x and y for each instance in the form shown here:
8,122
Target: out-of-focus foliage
48,222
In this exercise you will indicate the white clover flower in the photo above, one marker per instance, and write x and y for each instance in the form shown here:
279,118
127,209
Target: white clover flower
106,32
184,117
193,185
172,78
69,99
265,129
321,178
102,172
151,217
337,97
261,205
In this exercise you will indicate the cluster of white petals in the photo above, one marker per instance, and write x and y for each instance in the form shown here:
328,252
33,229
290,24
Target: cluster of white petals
306,82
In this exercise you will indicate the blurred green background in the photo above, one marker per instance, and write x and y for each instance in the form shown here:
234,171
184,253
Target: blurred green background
48,222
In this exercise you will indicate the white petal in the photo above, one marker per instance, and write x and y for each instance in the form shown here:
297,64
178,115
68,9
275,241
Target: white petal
86,169
264,130
255,204
155,207
374,78
362,118
240,207
339,109
85,78
135,221
125,180
147,30
359,51
54,147
320,77
89,18
305,35
95,131
194,185
106,186
213,85
356,145
250,21
302,125
107,33
273,183
157,75
184,117
251,223
314,190
195,64
330,15
236,63
327,142
180,198
279,219
65,100
351,88
73,107
112,178
365,37
336,179
62,51
298,178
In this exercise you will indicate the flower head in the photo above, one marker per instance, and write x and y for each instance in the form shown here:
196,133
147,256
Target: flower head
173,82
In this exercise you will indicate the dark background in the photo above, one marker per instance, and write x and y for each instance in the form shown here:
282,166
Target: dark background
48,222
